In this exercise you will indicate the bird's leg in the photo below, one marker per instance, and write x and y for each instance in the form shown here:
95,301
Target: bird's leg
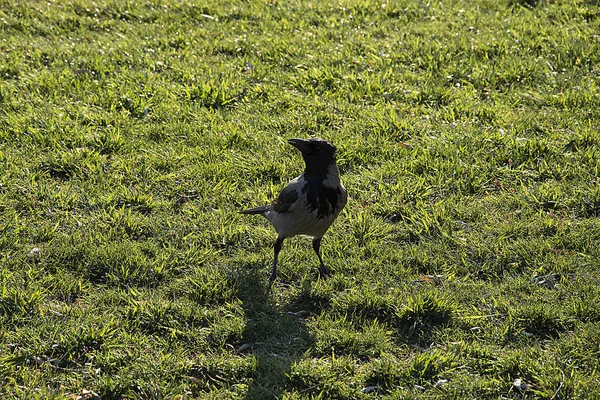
323,271
277,248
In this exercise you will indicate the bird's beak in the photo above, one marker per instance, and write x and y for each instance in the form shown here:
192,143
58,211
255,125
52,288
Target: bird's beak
300,144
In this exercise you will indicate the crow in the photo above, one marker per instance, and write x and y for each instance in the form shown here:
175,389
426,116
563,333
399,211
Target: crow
310,203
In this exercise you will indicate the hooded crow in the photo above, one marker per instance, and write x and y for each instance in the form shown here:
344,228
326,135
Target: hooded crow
309,204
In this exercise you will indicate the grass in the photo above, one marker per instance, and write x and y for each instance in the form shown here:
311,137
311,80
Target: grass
131,133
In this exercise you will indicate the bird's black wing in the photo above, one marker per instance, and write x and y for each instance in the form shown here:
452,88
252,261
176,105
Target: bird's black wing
287,197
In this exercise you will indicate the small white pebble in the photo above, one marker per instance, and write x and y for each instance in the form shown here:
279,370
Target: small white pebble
369,389
440,382
35,252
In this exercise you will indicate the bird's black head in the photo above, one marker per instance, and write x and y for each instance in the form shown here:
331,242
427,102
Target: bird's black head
318,153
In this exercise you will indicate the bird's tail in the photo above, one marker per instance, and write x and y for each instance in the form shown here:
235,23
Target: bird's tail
256,210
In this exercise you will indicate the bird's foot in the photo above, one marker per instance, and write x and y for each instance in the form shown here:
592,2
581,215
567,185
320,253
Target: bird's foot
324,272
272,278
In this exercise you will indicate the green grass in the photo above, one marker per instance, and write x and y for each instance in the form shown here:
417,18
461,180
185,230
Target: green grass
131,134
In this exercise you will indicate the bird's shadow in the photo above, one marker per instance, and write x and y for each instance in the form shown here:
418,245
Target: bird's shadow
275,337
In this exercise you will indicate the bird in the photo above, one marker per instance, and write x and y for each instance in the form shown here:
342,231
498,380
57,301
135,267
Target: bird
310,203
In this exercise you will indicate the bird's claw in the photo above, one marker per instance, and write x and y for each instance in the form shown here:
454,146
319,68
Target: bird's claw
272,278
324,272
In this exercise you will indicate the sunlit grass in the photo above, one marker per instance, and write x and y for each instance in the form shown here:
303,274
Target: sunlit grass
132,133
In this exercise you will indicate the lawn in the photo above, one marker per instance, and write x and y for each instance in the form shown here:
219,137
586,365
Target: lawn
465,265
